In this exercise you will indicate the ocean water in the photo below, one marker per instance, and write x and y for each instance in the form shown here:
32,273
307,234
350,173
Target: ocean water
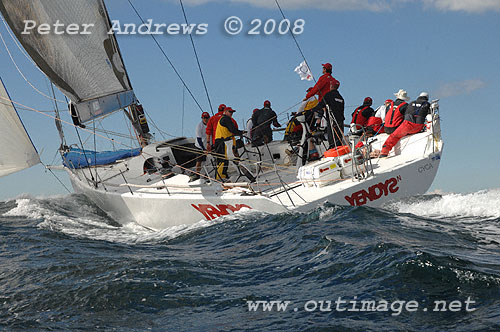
427,263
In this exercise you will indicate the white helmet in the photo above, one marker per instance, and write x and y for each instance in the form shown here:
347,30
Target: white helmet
424,94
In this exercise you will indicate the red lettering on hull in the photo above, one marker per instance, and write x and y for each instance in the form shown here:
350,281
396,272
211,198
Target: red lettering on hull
211,212
374,192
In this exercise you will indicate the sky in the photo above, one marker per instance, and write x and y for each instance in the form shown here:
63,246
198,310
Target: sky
449,48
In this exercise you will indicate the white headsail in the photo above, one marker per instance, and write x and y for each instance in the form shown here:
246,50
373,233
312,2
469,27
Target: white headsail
16,149
70,41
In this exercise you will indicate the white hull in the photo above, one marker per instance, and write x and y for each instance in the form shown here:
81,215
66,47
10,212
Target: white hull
161,210
176,202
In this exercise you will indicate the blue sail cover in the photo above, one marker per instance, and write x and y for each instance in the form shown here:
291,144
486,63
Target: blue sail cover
78,158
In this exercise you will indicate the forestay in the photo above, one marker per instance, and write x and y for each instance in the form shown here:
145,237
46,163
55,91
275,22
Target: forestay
87,67
16,149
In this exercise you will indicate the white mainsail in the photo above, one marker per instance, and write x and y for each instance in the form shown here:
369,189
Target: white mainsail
87,67
16,149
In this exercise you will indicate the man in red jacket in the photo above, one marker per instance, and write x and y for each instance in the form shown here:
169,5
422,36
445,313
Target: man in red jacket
212,125
361,114
396,113
324,84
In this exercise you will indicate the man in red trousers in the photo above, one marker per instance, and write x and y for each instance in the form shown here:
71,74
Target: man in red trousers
413,123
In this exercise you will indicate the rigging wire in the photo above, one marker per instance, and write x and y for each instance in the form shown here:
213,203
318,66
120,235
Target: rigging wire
83,148
183,110
197,59
58,116
128,124
105,132
163,133
21,73
295,39
95,152
167,58
59,180
19,46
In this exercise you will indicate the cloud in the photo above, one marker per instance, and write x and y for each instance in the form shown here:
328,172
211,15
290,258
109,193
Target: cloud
471,6
465,87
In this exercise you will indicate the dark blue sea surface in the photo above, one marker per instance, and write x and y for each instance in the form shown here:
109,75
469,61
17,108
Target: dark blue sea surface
65,266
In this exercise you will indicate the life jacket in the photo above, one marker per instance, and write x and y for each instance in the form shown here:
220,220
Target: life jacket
223,132
290,127
394,118
416,112
311,104
357,116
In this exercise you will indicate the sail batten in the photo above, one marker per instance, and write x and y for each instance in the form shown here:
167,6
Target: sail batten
16,151
86,67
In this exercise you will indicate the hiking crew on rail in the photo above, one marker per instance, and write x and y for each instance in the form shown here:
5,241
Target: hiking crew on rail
324,112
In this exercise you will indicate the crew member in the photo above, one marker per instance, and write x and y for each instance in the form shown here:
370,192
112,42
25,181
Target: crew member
322,87
200,143
212,125
395,114
375,124
250,126
361,114
226,130
413,122
309,103
335,111
262,119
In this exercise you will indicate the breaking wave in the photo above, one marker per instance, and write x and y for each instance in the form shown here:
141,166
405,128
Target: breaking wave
74,215
481,204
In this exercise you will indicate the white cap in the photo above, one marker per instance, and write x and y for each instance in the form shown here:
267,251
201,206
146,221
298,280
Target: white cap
402,94
424,94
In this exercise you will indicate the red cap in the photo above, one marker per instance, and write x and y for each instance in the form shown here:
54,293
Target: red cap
327,66
205,115
389,101
267,103
255,110
221,107
229,109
